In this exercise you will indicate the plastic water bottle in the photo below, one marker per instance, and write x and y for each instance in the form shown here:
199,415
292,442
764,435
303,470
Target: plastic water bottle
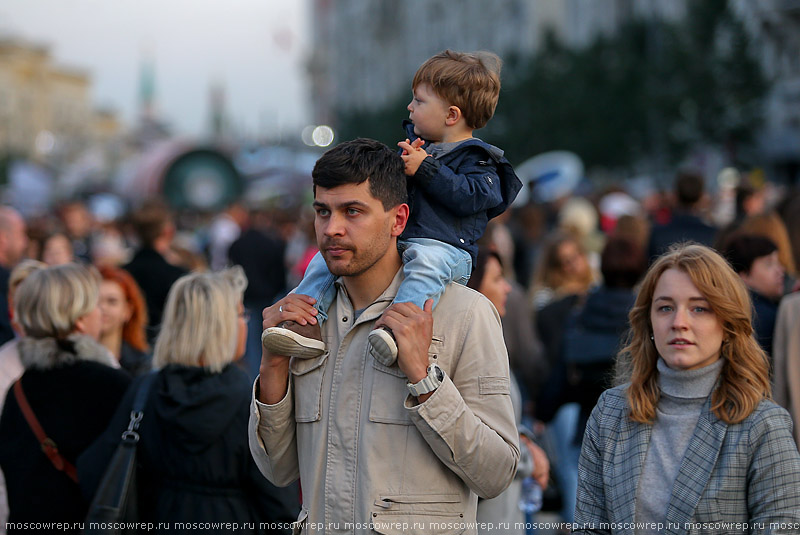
530,498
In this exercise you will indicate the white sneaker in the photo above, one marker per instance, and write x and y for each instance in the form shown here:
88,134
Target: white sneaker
285,340
382,346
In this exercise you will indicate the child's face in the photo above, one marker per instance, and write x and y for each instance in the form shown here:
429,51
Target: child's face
428,112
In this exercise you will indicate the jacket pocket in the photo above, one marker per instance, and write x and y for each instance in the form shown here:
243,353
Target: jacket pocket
418,514
389,393
307,380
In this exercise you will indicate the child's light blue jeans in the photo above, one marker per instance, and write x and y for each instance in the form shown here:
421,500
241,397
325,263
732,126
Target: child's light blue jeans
428,265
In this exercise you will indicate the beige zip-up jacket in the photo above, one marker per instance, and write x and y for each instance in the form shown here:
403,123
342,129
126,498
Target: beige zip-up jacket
371,460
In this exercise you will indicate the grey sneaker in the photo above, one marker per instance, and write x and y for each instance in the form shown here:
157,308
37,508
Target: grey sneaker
292,339
382,346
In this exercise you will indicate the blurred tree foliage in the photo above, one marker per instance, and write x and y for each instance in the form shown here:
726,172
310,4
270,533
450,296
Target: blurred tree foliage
648,92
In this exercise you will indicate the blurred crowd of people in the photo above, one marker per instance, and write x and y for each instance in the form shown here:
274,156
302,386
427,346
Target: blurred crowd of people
567,275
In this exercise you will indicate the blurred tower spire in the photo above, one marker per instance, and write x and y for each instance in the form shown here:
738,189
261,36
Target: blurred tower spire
216,106
147,87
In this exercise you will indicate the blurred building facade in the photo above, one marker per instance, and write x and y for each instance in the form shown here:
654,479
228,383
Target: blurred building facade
45,108
365,53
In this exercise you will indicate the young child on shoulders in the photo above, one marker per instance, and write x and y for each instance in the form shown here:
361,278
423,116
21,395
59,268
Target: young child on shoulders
456,184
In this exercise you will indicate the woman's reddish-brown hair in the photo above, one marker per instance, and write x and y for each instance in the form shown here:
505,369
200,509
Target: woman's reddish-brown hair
133,332
744,379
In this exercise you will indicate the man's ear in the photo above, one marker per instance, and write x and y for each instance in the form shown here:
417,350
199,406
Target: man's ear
453,115
400,219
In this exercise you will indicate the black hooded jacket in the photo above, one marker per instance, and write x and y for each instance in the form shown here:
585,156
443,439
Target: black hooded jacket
194,460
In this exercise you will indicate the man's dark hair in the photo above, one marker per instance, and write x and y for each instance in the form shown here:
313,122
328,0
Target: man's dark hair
622,263
742,250
353,162
149,221
689,188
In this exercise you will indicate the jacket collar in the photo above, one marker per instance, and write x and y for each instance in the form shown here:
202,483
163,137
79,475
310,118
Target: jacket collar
376,308
46,353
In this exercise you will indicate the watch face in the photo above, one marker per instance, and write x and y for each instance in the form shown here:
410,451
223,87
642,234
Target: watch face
439,373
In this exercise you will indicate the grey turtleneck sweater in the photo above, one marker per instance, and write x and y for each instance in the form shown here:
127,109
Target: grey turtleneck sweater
683,393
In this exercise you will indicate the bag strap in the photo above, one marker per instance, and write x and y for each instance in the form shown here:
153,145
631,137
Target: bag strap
137,410
49,447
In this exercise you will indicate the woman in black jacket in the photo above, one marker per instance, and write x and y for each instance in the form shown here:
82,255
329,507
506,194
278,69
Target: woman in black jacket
70,386
194,461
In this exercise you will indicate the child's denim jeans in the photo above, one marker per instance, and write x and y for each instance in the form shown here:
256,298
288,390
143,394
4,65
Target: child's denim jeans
428,265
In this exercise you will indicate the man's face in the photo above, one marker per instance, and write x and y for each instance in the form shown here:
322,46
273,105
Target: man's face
766,276
14,240
354,232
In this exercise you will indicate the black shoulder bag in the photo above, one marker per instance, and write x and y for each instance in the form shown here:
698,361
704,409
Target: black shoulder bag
114,503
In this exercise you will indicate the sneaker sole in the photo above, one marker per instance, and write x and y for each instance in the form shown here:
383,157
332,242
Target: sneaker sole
285,342
380,349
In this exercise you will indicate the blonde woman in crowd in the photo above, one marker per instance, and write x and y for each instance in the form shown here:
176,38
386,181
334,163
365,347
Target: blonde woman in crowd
193,455
70,387
692,436
10,366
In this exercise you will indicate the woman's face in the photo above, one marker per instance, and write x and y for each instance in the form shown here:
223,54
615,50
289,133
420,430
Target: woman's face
114,307
686,332
57,250
241,336
91,323
495,286
573,262
766,276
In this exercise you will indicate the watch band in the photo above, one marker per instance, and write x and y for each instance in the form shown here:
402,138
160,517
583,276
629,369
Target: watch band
428,383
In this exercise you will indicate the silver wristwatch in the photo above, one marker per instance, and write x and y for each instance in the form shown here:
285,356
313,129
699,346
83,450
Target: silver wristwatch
428,384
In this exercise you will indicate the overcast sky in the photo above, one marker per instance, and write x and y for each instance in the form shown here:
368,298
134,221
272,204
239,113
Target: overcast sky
256,48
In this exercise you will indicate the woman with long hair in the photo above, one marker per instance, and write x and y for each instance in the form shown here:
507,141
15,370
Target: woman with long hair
124,320
488,279
692,435
194,462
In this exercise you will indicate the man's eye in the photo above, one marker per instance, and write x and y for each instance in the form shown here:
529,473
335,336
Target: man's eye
352,211
322,212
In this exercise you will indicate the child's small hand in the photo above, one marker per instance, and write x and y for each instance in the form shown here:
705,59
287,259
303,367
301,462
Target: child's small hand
412,155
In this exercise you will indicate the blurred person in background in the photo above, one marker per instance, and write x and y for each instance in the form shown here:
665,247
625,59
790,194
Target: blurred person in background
685,223
528,227
563,270
771,226
488,279
578,217
561,282
124,320
225,228
690,435
755,259
56,249
593,335
260,251
525,351
71,389
10,365
634,228
13,244
789,210
194,464
153,226
79,223
786,359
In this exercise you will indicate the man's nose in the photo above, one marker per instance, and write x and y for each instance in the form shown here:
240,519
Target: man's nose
334,226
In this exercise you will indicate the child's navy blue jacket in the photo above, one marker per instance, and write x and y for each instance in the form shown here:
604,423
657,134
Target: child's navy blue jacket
452,198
